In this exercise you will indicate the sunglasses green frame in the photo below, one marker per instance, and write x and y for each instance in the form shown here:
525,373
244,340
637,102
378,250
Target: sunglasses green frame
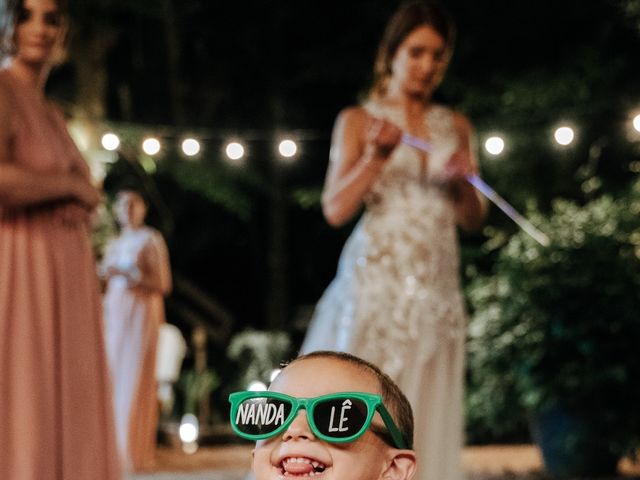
372,401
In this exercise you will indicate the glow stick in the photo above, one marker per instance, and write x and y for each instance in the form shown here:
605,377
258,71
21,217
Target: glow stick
488,192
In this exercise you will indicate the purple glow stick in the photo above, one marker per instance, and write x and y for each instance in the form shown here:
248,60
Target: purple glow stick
488,192
416,142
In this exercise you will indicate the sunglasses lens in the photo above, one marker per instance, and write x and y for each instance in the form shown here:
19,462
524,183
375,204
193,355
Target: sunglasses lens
261,415
340,418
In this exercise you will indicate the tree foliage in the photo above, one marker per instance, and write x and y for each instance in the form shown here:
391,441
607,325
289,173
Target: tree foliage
557,325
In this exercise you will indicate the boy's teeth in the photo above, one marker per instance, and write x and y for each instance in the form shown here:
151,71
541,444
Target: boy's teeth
300,466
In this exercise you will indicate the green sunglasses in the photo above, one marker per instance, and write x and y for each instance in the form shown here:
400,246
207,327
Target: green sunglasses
336,418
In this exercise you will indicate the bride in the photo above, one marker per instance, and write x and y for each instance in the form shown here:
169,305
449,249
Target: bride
396,299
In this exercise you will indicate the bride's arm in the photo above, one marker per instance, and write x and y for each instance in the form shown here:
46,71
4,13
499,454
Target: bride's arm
360,147
470,205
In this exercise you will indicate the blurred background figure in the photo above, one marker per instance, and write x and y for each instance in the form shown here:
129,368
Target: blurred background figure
55,399
136,268
172,349
396,300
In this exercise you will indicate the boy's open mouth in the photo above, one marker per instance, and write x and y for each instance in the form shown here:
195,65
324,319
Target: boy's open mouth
301,467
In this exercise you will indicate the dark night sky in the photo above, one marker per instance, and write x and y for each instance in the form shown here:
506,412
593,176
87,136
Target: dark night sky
250,64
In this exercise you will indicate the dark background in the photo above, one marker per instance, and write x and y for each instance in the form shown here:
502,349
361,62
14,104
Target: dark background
249,246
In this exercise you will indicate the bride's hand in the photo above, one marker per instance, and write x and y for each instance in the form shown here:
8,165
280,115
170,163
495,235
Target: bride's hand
383,136
459,166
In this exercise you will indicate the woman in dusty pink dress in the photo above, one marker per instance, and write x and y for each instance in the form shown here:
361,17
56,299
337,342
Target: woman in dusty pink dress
136,266
55,397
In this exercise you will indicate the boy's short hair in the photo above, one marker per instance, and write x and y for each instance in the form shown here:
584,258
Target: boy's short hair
393,398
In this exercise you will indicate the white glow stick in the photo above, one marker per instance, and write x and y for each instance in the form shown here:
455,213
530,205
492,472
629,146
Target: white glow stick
488,192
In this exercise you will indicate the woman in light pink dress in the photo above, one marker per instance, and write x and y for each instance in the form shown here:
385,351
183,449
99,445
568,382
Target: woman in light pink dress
55,397
136,266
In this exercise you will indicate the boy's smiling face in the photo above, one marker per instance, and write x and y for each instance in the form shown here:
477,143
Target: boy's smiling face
297,454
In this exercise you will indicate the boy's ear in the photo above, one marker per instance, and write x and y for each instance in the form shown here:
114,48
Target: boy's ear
402,465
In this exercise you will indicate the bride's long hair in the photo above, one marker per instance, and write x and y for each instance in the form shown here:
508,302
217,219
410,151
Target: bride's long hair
405,20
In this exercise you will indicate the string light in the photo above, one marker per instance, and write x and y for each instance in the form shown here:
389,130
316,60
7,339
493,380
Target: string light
110,141
564,135
190,147
287,148
494,145
151,146
234,151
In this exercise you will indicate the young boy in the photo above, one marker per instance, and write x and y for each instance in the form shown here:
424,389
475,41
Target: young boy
328,415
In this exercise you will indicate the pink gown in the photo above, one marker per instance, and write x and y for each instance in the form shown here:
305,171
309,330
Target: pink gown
55,395
133,316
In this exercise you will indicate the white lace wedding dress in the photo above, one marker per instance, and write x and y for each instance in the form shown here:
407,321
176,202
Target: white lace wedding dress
396,299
